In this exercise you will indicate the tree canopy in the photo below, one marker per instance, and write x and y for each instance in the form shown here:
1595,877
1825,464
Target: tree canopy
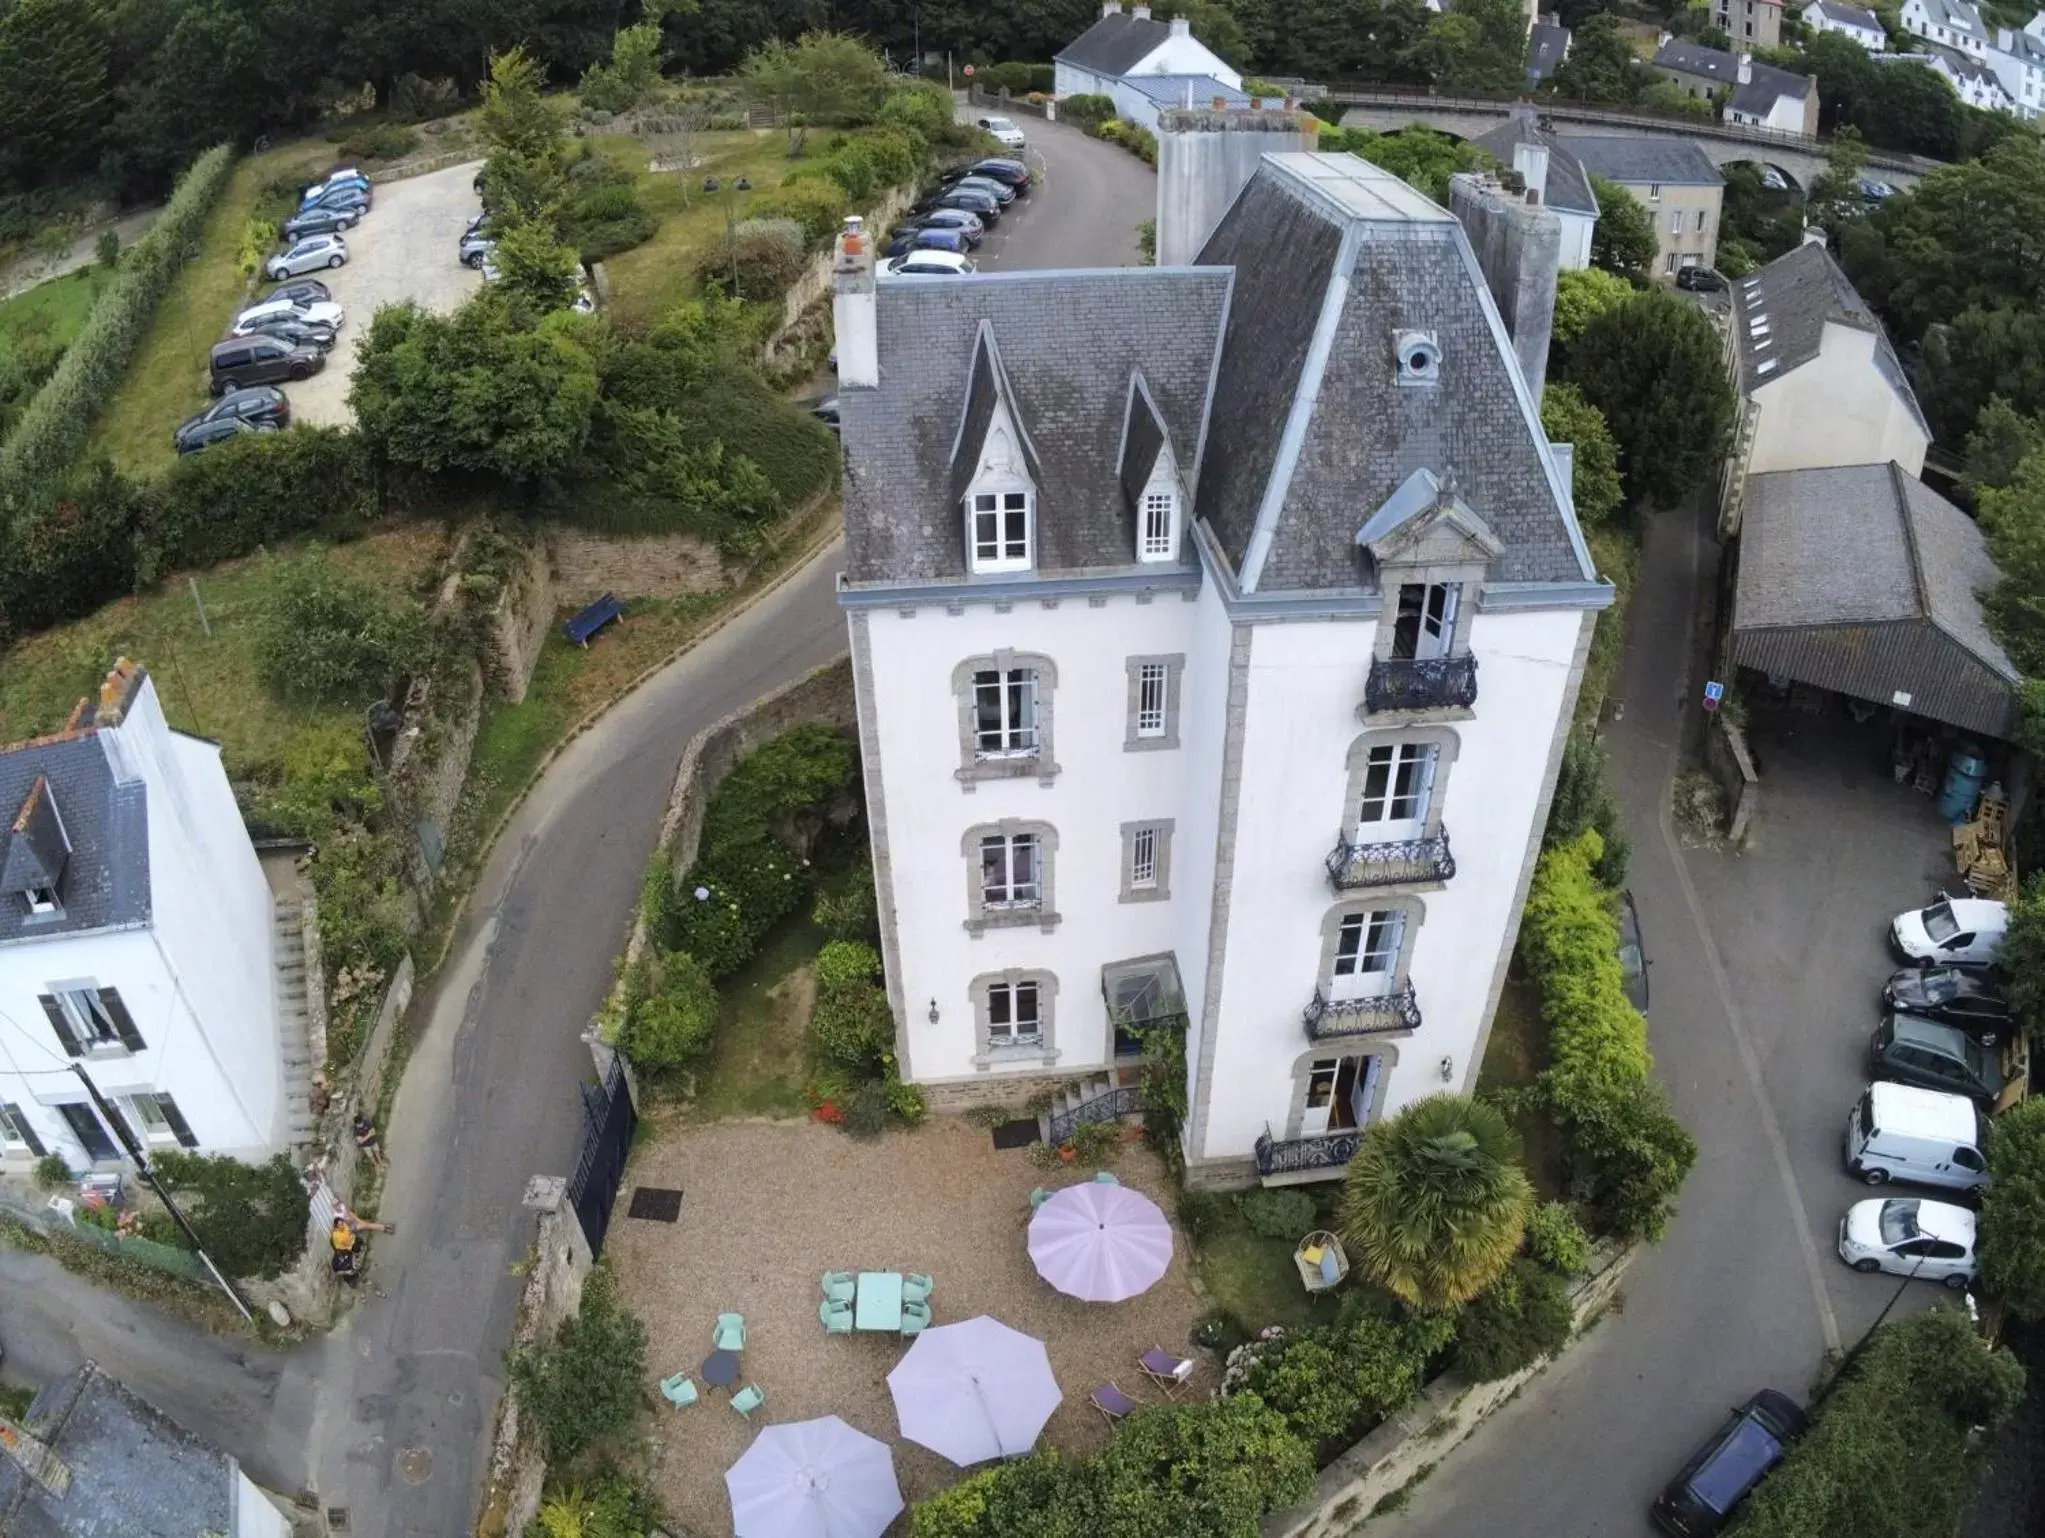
1623,240
1655,367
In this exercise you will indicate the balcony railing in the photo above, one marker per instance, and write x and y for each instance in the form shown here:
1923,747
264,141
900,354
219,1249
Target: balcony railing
1389,863
1375,1014
1305,1153
1430,683
1117,1103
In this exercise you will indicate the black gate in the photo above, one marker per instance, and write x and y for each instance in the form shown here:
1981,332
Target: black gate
607,1123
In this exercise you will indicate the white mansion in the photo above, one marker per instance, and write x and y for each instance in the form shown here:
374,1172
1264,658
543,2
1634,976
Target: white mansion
1215,630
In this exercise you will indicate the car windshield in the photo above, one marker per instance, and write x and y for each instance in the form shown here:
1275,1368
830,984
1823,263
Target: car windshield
1000,125
1940,986
1899,1222
1737,1466
1939,922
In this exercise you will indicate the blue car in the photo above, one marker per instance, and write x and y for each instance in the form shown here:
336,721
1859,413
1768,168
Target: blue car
320,221
930,238
334,183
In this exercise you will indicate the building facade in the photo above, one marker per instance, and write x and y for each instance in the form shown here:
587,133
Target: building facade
1756,94
1118,54
1951,23
1554,175
2018,62
135,942
1749,23
1215,642
1863,26
1674,181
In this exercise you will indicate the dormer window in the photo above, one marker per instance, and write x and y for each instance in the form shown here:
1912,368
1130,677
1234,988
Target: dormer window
1160,539
42,899
1000,531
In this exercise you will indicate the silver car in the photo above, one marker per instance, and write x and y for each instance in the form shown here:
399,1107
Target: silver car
307,255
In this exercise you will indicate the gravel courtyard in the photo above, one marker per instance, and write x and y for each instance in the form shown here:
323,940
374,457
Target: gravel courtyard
769,1206
404,248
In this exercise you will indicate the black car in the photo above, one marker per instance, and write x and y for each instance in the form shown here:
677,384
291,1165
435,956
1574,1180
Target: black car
1962,996
826,411
207,434
1725,1470
1699,280
321,221
970,198
1907,1050
298,333
260,406
298,291
1632,954
1013,173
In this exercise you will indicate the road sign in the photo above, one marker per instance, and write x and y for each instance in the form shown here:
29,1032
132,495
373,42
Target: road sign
1713,693
969,72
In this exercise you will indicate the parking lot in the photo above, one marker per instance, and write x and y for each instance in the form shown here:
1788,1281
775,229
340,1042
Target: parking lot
404,248
1089,198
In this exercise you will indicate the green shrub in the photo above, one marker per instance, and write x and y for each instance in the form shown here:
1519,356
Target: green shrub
906,1102
673,1021
52,1173
761,261
381,141
851,1026
1200,1471
776,786
817,204
583,1385
1557,1240
1515,1322
256,490
866,1110
607,219
1628,1158
1085,110
1278,1213
700,917
71,548
798,454
1040,1495
849,914
55,424
328,638
1334,1380
251,1218
2013,1209
1204,1214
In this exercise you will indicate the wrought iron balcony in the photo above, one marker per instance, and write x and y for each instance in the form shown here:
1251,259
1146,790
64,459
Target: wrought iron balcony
1432,683
1374,1015
1305,1153
1389,863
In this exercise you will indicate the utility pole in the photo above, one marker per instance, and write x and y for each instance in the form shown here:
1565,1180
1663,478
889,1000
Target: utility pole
119,1126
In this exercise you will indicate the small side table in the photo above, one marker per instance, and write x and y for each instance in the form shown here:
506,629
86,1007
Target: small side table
880,1301
721,1368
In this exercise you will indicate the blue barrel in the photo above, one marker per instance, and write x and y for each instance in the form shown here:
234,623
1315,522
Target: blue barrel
1965,771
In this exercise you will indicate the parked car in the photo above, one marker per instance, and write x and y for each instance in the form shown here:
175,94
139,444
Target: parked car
298,288
1699,280
982,205
1907,1050
1968,997
1931,1241
927,264
826,411
317,312
1632,955
334,181
1962,931
259,405
1774,180
474,247
1873,191
352,194
997,168
929,239
298,333
1001,192
247,360
308,255
1725,1469
320,221
962,219
1922,1136
1003,129
206,434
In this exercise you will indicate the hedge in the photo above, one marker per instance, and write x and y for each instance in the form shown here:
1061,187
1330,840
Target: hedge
54,426
255,490
798,454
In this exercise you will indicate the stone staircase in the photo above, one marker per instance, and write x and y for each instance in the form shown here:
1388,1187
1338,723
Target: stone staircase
1093,1099
294,1014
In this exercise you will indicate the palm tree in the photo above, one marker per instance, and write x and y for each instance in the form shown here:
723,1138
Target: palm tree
1436,1201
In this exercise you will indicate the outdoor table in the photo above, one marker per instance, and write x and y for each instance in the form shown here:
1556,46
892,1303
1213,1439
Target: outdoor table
880,1301
721,1368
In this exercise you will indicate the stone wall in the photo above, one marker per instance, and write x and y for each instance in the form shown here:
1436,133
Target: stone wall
1726,755
427,764
516,626
1447,1410
587,565
1011,1091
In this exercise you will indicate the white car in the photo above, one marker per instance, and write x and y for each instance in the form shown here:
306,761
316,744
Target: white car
927,264
1010,136
307,255
314,312
1931,1241
1963,931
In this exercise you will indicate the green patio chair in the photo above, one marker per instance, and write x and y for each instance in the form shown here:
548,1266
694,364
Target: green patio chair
914,1317
839,1286
748,1399
1038,1197
836,1317
1105,1178
678,1391
917,1289
730,1334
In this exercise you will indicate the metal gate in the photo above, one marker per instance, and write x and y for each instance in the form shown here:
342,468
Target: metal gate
607,1123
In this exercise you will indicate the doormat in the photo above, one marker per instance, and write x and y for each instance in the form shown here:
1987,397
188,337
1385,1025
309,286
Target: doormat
1016,1134
654,1204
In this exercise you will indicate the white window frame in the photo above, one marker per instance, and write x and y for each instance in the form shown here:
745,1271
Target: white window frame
1364,936
995,993
1009,998
1011,873
149,1120
1152,702
1004,551
1147,860
1676,221
1016,728
87,1020
1153,683
1435,630
12,1138
1654,192
42,899
1025,749
1669,263
1157,534
1399,803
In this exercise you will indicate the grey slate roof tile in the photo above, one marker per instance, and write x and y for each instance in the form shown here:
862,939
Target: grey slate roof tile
1144,436
1644,160
1114,45
1569,186
106,879
1547,45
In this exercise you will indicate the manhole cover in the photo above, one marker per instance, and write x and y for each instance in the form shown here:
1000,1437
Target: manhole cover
415,1463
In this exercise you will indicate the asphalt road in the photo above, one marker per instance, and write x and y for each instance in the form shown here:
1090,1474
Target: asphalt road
1089,198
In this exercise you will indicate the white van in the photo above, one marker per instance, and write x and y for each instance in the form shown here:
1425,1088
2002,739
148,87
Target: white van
1954,931
1897,1132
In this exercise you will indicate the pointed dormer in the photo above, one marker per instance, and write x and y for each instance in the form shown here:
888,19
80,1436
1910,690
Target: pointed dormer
994,469
1153,492
37,850
1429,551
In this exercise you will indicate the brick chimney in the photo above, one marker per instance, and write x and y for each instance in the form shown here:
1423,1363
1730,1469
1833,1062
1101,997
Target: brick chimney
117,692
854,311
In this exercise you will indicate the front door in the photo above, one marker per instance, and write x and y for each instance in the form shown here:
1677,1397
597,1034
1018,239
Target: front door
86,1127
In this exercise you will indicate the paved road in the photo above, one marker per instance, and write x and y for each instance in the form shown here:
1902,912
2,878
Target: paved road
1090,197
25,272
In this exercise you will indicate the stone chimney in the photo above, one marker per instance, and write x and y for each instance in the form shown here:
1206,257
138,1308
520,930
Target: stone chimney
1204,158
1110,8
854,313
117,692
1746,69
1531,161
1182,26
1518,244
1140,11
1814,235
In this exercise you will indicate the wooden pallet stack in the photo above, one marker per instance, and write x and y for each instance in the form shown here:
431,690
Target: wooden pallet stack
1978,850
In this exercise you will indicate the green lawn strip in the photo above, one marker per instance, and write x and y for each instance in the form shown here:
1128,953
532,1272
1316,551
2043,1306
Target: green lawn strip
760,1062
58,306
166,382
1255,1279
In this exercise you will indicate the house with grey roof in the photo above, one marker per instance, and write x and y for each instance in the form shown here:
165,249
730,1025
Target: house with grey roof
1673,180
1543,162
1950,23
1145,66
1973,79
1547,47
1749,23
2018,62
1215,634
1851,21
140,946
93,1460
1756,94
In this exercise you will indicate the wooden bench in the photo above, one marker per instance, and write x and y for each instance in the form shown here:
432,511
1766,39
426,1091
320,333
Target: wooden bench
583,628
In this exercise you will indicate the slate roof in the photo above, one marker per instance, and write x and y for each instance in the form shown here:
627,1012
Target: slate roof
1569,186
1115,45
1957,16
1547,45
37,846
1758,96
1177,90
1963,66
1800,292
1645,160
135,1473
105,882
1903,613
1695,59
1845,15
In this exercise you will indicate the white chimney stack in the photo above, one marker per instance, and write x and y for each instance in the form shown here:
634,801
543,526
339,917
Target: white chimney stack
854,312
1140,11
1182,26
1110,8
1814,235
1531,161
1746,70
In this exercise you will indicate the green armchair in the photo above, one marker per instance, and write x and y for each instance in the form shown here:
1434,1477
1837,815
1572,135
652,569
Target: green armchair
730,1334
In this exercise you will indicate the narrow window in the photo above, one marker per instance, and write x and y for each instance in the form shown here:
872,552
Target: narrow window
1426,622
1143,858
1654,192
1396,780
1012,1014
160,1120
1669,265
1008,871
1150,700
1700,221
1005,713
42,899
1676,222
1001,530
1158,507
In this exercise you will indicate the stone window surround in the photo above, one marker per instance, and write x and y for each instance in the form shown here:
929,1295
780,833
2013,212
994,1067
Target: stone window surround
1045,914
1468,575
1161,889
1043,1051
1174,664
1303,1067
1447,745
1404,897
1039,765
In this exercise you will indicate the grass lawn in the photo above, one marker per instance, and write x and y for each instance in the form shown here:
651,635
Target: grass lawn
1514,1058
207,683
1255,1279
58,307
166,379
760,1061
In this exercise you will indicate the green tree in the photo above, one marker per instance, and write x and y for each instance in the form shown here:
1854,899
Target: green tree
327,638
828,78
1582,293
2012,1237
537,273
1655,367
1199,1471
2014,517
631,76
1436,1202
673,1021
251,1218
1566,417
1515,1322
1979,355
1039,1495
516,118
54,93
583,1385
2001,437
1328,1379
1623,240
1420,157
1835,192
1601,66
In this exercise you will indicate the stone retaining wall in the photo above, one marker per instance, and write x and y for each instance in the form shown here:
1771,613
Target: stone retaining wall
1726,755
516,627
587,565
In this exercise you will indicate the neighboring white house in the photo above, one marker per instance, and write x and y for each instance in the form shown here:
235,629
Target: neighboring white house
1758,94
1863,26
1954,23
1555,175
2018,60
1120,45
1193,612
135,941
1973,80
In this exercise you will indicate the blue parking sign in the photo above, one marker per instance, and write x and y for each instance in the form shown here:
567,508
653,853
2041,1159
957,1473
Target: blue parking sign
1713,693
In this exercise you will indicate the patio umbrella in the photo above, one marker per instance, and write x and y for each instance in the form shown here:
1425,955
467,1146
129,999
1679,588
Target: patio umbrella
1102,1243
813,1479
974,1390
